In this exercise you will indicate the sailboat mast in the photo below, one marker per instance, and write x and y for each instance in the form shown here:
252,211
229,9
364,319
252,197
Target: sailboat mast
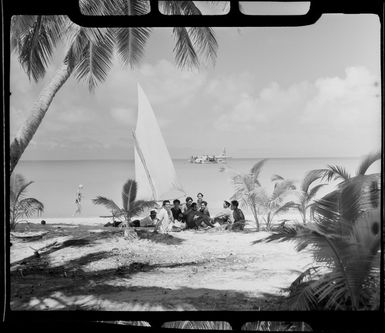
138,149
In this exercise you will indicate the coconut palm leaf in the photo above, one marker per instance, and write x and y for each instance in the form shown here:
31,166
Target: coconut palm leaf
327,206
139,206
336,172
367,162
275,178
197,40
333,290
303,297
30,206
197,325
109,204
129,192
204,39
282,189
34,39
288,233
20,27
359,194
310,178
285,207
256,169
314,191
185,54
18,186
130,42
95,60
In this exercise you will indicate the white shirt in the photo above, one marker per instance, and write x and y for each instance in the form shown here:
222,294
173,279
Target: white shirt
164,220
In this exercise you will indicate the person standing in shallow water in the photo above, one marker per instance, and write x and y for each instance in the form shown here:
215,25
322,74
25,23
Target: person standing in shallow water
78,200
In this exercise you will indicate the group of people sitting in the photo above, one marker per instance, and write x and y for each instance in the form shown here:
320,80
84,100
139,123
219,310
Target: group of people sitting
190,215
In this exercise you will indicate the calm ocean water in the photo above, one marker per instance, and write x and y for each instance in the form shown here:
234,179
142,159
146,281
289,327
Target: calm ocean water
56,182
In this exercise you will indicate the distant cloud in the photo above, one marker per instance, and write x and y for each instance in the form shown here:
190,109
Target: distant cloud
164,83
342,102
330,103
126,116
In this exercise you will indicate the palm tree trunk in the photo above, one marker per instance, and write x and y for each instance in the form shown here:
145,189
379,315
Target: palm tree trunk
254,211
303,211
32,123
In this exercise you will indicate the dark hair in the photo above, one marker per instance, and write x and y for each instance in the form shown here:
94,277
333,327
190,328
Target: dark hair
194,204
176,201
204,202
227,203
153,212
165,202
235,203
200,194
188,199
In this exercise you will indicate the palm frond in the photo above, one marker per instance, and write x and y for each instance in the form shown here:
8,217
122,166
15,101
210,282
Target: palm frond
205,41
29,206
202,38
332,290
129,192
18,186
359,194
35,46
303,298
327,206
288,205
20,27
130,42
310,177
282,189
139,206
256,169
337,172
98,7
185,54
367,162
109,204
314,191
286,234
95,58
275,178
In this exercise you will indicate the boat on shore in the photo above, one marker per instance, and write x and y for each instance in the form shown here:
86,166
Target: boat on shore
210,159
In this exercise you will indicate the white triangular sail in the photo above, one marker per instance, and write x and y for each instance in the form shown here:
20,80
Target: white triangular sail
154,169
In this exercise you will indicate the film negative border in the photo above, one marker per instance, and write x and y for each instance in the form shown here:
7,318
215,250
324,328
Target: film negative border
319,321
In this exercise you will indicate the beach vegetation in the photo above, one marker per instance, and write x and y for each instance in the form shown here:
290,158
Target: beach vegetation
20,206
345,246
248,190
330,202
89,52
305,196
276,202
130,206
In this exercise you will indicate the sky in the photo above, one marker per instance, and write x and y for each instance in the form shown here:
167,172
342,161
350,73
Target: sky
273,92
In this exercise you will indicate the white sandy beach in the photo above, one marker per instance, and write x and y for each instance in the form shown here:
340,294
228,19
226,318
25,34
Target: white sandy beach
94,267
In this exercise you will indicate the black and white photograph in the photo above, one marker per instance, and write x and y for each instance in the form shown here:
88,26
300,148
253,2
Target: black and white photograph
195,168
